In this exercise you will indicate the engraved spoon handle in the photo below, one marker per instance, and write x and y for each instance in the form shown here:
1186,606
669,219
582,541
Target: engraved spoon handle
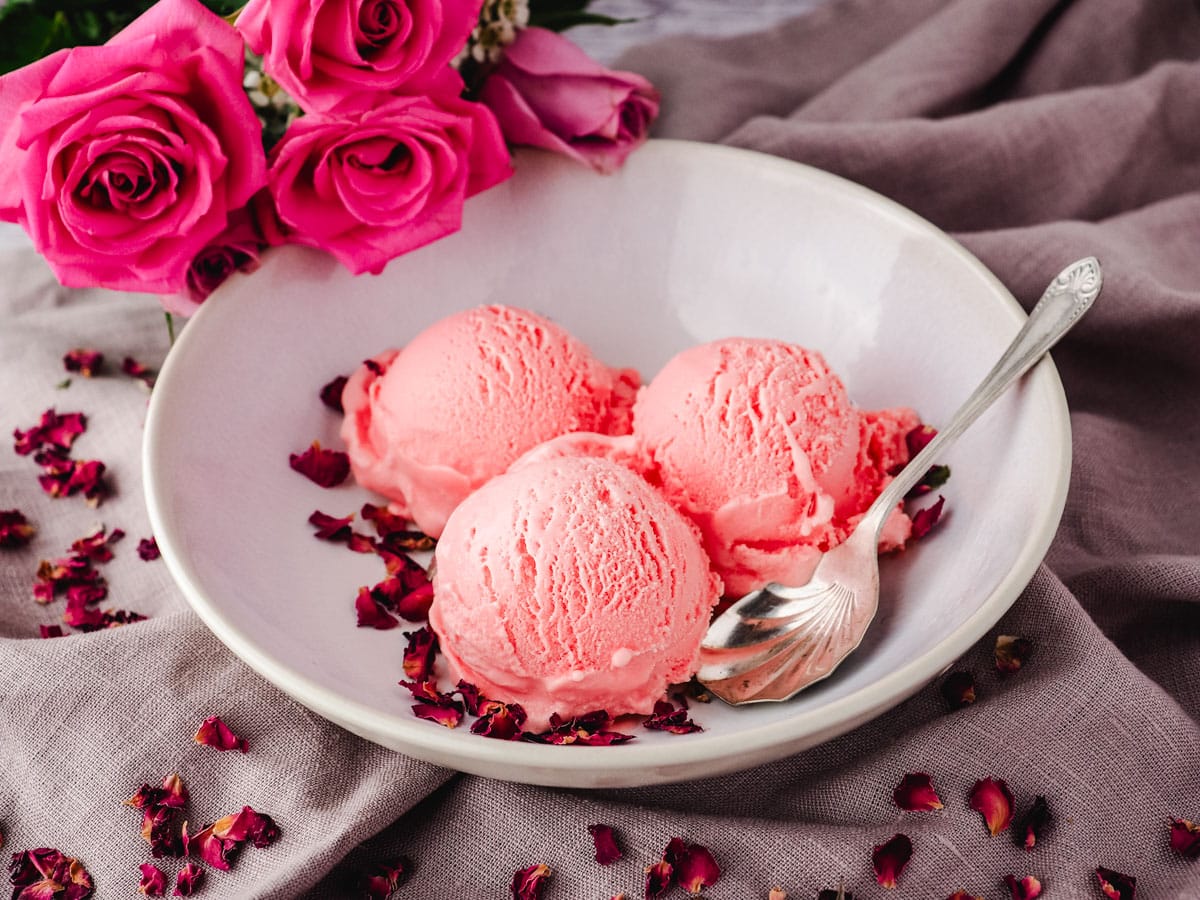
1064,301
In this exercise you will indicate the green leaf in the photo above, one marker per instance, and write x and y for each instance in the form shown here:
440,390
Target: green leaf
561,21
543,7
29,35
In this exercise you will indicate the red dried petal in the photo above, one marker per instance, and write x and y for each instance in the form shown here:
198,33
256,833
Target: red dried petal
360,543
414,605
697,869
587,730
667,718
379,880
331,393
915,793
51,631
659,878
158,829
923,520
330,528
53,431
448,716
605,839
135,369
993,800
958,689
371,613
84,361
1185,838
97,546
889,859
1033,824
419,654
15,529
247,825
1028,888
154,881
63,477
917,438
471,697
1011,653
82,617
216,851
173,793
188,880
408,542
328,468
529,883
1115,885
501,721
213,732
934,478
427,692
147,549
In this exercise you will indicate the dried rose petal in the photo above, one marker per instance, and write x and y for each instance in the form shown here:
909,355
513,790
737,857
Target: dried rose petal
216,851
917,438
188,880
934,477
408,542
605,840
915,793
1027,888
86,362
667,718
993,800
371,613
331,393
15,530
697,869
959,689
51,631
529,883
414,605
330,528
213,732
923,520
97,546
147,549
502,721
328,468
420,653
889,859
93,620
247,825
158,829
1185,838
659,879
1033,824
52,431
135,369
80,616
63,477
588,730
173,792
1115,885
47,873
449,716
1011,653
379,880
154,881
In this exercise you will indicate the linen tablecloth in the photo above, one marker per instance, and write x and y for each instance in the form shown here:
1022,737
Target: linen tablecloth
1036,132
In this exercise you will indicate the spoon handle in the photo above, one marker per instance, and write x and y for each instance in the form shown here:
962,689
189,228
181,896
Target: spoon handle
1065,300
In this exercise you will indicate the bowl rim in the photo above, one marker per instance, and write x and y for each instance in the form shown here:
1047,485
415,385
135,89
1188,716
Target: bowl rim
555,765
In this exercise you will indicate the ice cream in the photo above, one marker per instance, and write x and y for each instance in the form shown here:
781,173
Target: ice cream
427,425
757,443
569,585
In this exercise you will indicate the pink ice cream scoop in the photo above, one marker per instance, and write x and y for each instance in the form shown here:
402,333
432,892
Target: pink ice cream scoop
757,443
569,585
427,425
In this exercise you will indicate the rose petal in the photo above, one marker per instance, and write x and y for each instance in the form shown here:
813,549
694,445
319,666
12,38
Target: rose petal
379,880
54,430
502,721
915,793
135,369
330,528
15,529
219,853
923,520
958,689
50,631
86,362
993,800
188,880
1185,838
607,851
1011,653
328,468
1027,888
63,477
248,825
667,718
529,883
213,732
659,878
97,546
1033,824
154,880
420,654
697,869
448,716
331,393
159,831
371,613
1115,885
889,859
916,439
588,730
147,549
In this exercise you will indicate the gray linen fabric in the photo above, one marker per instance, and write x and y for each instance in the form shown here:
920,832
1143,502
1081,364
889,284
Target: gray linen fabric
1037,131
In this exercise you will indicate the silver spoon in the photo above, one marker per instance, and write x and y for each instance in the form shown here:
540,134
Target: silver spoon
776,641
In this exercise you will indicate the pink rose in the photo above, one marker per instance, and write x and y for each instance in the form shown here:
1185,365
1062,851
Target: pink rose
236,249
122,161
323,51
548,93
388,174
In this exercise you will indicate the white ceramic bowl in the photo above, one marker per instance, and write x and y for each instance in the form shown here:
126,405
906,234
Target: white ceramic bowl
688,243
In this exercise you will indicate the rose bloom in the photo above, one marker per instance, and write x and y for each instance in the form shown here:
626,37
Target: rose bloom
325,51
385,175
236,249
548,93
122,161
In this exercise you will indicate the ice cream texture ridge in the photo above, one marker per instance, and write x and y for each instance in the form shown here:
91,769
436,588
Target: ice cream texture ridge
588,526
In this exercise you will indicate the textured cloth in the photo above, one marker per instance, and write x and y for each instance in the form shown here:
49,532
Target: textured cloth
1035,131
